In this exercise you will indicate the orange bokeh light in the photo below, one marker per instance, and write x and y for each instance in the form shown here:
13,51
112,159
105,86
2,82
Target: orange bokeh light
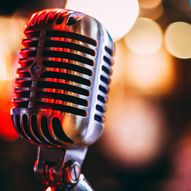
10,37
7,130
151,74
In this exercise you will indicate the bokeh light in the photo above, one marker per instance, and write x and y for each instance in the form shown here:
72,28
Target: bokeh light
117,16
178,39
152,74
146,142
50,189
10,37
145,37
7,130
119,63
135,130
3,68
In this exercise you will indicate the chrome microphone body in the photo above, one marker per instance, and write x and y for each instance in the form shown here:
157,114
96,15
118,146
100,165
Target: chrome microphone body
61,91
63,79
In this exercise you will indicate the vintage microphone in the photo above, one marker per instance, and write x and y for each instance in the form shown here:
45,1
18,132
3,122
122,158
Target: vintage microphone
61,91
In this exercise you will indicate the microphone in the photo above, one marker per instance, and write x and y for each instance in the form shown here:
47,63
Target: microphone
63,80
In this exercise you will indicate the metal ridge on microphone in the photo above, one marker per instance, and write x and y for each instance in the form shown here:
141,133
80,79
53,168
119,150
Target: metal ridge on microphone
63,79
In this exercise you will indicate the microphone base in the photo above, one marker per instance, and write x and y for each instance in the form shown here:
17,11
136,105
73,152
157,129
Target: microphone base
61,168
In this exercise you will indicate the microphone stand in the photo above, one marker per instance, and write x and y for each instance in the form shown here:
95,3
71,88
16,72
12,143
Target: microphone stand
61,168
82,185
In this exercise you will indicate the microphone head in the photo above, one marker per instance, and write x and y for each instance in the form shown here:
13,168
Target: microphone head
63,79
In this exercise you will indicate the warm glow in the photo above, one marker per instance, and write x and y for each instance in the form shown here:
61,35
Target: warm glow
4,34
50,189
152,73
149,4
11,30
10,36
178,39
7,66
119,63
154,13
145,37
3,68
117,16
7,130
135,132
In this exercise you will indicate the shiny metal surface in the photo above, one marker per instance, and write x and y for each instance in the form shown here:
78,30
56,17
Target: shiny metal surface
63,79
59,168
82,185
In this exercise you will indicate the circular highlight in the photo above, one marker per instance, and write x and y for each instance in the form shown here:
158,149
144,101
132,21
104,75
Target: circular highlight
135,132
178,39
117,16
145,37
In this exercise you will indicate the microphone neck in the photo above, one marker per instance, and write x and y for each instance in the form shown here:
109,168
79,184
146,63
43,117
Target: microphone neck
60,168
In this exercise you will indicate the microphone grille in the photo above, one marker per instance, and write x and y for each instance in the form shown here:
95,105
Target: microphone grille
47,66
105,80
64,69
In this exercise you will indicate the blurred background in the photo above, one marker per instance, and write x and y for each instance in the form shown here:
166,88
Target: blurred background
146,145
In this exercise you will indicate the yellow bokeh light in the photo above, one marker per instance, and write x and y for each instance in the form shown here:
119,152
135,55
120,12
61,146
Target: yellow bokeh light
150,73
117,16
145,37
178,39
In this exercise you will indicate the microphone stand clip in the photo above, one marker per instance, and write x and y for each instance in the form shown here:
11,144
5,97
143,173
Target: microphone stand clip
61,168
